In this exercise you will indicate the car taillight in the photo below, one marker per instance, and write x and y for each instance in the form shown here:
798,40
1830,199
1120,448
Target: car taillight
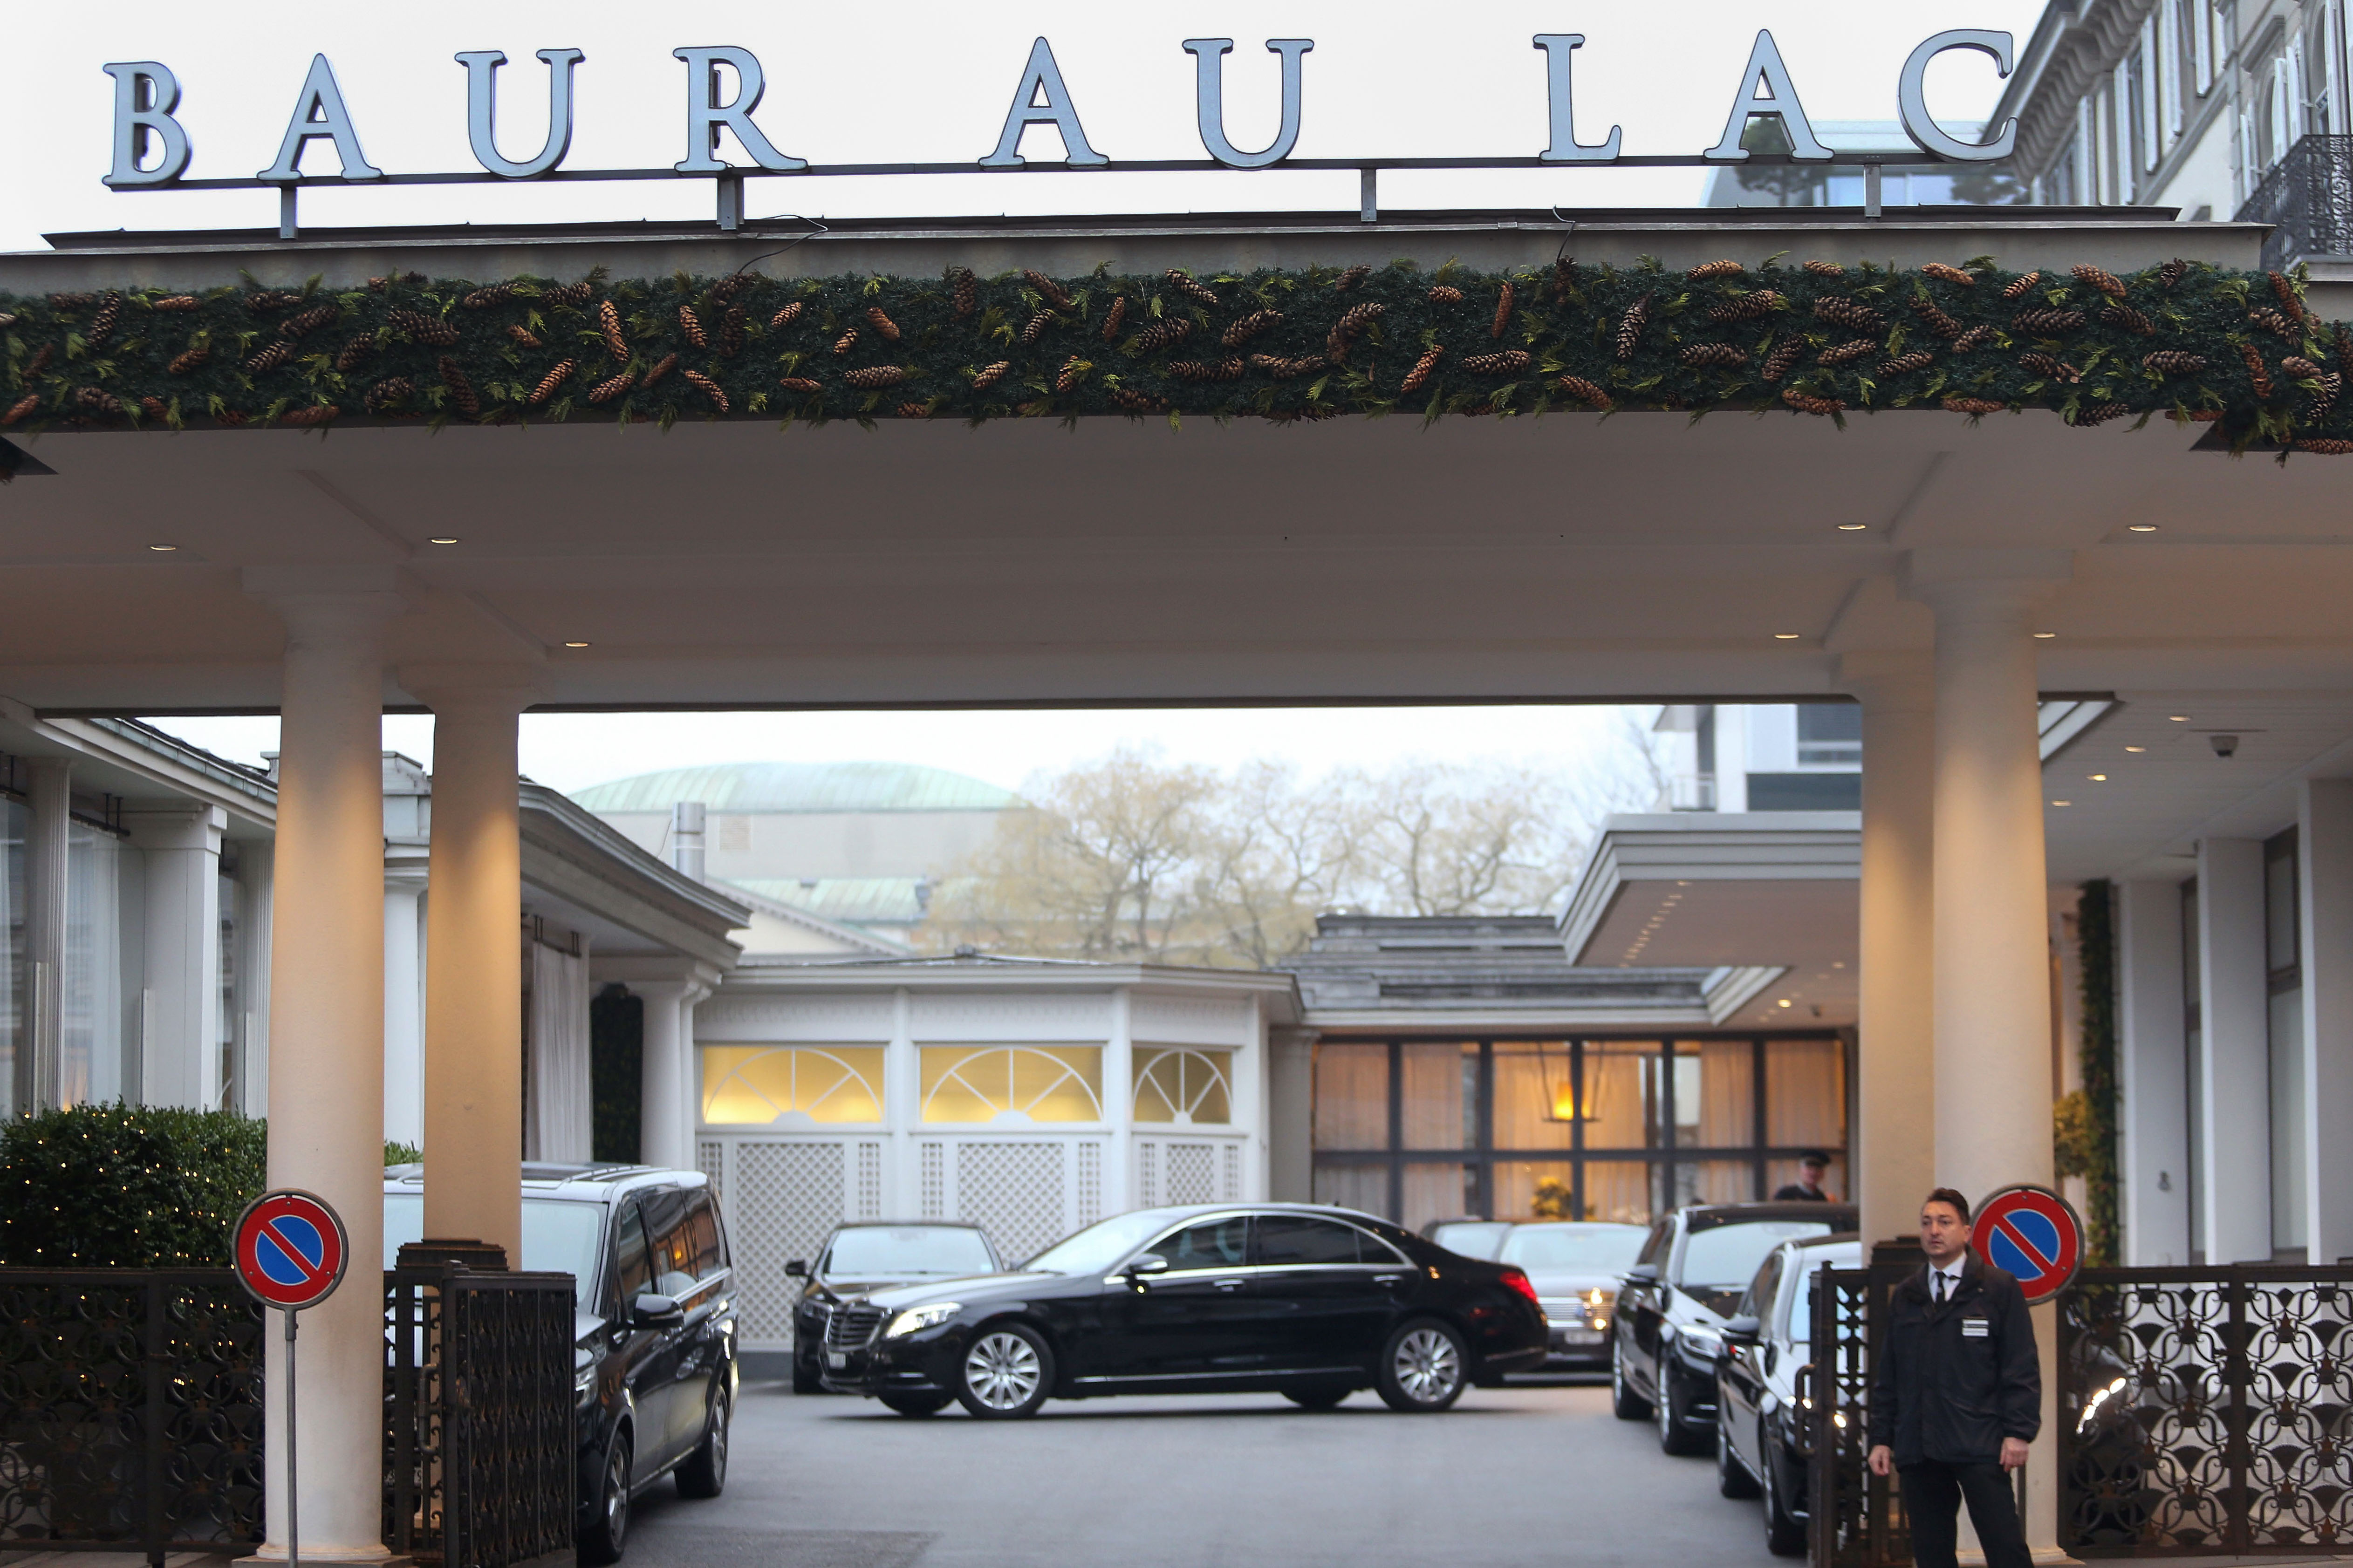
1515,1280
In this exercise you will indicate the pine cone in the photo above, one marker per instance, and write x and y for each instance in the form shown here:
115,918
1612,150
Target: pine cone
731,332
2271,320
40,360
990,375
1904,364
70,302
708,387
20,409
1114,318
262,304
97,400
1746,307
551,381
2320,446
1287,368
2128,317
874,377
1853,349
316,413
2343,349
1502,311
296,325
2047,323
386,394
1185,284
848,341
2017,290
1073,371
2255,371
481,299
1137,402
1510,362
965,289
1704,354
1047,290
1973,406
1195,370
1786,353
1974,338
187,360
2298,366
1804,404
2172,272
692,325
1161,334
1038,325
662,367
1584,391
423,328
787,316
523,336
1420,372
1629,327
1848,313
1564,278
799,383
383,285
1351,278
1250,326
882,323
2290,300
609,320
1935,319
914,411
176,302
153,407
1348,328
2331,383
612,386
2173,361
1952,274
1706,270
570,296
269,359
2100,413
1825,268
1445,294
461,391
101,325
727,288
2107,283
2052,366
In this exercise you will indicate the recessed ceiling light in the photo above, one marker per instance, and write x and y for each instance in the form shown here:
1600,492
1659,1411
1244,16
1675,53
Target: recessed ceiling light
2062,803
445,538
2140,528
1785,637
1784,1001
576,645
2045,637
162,548
2135,747
1852,527
2179,718
2097,778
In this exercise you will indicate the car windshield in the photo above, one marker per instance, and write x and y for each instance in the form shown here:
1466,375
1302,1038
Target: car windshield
1472,1237
1581,1248
557,1238
908,1251
1725,1256
1101,1245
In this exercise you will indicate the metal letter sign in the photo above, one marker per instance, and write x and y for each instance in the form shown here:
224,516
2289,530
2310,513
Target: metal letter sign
291,1250
1912,99
2033,1233
482,111
1209,95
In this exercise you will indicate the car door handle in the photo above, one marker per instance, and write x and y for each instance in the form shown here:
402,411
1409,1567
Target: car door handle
1229,1284
1387,1278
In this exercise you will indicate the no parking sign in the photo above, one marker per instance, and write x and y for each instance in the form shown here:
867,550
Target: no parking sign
2033,1233
289,1250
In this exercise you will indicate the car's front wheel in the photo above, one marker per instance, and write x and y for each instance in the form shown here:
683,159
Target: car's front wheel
704,1474
1624,1403
1784,1536
1007,1373
605,1530
1674,1420
1423,1367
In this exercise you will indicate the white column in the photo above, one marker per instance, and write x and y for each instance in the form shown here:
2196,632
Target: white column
1894,1138
1290,1097
326,1085
181,1031
257,883
902,1106
2152,1076
2325,843
474,955
404,1007
1119,1104
50,797
2234,1072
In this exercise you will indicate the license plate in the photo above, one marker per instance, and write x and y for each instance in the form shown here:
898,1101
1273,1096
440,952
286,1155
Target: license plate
1580,1336
837,1360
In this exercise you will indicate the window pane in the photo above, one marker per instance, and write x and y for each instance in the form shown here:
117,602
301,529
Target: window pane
2279,904
1716,1182
1213,1244
1529,1189
1621,1094
1434,1191
1805,1094
1365,1188
636,1273
1351,1107
1440,1092
1293,1238
1531,1082
757,1085
1715,1094
1618,1190
1783,1174
1184,1085
1012,1083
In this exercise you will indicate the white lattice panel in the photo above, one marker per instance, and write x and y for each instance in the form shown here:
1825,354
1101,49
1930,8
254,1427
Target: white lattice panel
1192,1173
1232,1190
1148,1173
1089,1195
934,1180
869,1180
711,1159
1014,1191
788,1196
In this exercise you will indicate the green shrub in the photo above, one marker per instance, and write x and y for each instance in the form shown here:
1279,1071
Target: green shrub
113,1186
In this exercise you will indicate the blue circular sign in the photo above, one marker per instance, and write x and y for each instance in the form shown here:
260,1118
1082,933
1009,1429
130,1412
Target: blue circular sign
2032,1233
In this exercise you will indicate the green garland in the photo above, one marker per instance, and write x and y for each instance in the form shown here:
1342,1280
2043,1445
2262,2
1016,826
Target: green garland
2095,939
2190,341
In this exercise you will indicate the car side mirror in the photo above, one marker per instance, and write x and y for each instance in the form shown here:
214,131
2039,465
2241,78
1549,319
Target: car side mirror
1742,1331
797,1269
1148,1263
1642,1274
653,1311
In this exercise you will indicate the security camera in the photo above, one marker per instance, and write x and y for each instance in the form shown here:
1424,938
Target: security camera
2224,745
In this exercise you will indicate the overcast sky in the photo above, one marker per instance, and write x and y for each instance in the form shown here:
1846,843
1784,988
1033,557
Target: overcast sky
922,82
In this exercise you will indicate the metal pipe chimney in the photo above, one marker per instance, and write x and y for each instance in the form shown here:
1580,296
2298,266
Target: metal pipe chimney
686,838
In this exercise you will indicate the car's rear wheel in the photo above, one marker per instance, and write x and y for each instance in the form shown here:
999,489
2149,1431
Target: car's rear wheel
1624,1403
1317,1396
605,1530
1006,1373
1675,1421
704,1474
1784,1536
1424,1367
1732,1480
916,1404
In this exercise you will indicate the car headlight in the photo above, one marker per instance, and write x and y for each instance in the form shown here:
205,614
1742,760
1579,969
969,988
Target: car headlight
583,1383
1704,1343
914,1320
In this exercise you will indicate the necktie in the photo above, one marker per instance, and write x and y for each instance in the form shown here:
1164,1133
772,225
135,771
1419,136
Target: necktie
1940,1287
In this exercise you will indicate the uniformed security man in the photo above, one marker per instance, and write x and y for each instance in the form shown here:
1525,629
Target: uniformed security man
1956,1395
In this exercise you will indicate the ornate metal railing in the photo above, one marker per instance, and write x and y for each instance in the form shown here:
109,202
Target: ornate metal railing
1856,1519
480,1428
2206,1411
130,1411
2308,198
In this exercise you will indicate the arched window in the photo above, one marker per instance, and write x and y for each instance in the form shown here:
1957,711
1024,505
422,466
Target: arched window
1012,1083
755,1085
1180,1085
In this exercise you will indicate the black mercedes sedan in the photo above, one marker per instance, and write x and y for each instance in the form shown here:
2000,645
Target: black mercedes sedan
875,1255
1309,1303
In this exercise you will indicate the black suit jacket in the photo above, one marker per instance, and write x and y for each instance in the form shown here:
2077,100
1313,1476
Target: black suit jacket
1952,1381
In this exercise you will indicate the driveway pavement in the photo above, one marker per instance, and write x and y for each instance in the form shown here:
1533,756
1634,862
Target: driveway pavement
1532,1474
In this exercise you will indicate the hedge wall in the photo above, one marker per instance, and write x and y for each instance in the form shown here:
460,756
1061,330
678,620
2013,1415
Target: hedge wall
106,1186
2186,339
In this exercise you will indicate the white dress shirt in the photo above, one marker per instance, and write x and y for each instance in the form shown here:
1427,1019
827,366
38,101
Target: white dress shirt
1950,1275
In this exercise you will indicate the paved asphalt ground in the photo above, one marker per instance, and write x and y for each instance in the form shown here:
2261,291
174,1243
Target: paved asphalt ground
1532,1474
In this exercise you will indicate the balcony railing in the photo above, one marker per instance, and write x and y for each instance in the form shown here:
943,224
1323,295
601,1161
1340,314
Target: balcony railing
2308,198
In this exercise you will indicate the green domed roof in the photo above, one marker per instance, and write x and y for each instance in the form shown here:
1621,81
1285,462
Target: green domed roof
800,787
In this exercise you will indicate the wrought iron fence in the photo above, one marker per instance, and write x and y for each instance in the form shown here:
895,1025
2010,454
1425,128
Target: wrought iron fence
1854,1519
131,1413
2308,198
479,1429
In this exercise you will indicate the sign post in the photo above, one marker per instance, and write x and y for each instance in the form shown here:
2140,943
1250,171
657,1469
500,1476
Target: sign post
291,1251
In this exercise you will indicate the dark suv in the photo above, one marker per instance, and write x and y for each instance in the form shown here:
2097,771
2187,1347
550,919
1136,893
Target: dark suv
1668,1333
654,1298
875,1255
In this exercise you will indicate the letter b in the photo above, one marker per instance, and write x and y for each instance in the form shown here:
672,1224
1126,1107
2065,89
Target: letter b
145,94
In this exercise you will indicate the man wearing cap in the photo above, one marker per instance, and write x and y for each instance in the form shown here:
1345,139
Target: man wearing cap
1956,1395
1807,1188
